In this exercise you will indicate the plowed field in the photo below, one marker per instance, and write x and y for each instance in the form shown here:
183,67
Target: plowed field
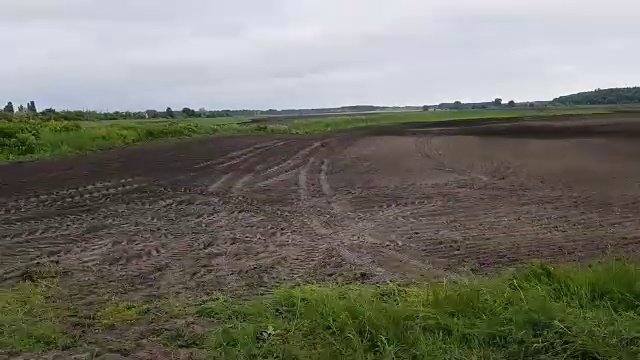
245,213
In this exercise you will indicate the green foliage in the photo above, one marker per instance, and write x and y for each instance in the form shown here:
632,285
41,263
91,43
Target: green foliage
629,95
33,139
30,321
538,312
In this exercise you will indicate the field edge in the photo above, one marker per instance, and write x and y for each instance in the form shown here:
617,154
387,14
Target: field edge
535,311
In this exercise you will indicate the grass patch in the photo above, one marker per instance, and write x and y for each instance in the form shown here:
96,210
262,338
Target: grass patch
538,312
121,313
30,321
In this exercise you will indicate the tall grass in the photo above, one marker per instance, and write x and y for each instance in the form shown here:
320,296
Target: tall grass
538,312
35,140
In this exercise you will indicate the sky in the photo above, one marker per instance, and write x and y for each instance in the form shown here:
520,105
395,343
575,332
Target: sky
261,54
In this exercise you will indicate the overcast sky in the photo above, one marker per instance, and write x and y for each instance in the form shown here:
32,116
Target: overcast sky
139,54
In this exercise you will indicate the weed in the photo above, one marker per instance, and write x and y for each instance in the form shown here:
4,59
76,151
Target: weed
121,313
185,338
30,321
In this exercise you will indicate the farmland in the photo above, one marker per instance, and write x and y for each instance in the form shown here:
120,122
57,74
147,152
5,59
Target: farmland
203,230
29,140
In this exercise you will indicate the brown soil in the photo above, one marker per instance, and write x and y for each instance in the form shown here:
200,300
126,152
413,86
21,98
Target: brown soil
245,213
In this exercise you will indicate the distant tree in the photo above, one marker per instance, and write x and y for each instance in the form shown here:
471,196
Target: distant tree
511,103
612,96
22,109
532,105
425,108
457,105
9,108
497,102
187,112
48,114
169,113
31,107
152,114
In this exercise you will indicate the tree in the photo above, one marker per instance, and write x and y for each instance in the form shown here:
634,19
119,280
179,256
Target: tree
170,113
22,109
425,108
457,105
31,107
611,96
532,105
9,108
188,112
497,102
152,114
511,103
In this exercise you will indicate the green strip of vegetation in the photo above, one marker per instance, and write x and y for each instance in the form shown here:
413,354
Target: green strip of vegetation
38,140
536,312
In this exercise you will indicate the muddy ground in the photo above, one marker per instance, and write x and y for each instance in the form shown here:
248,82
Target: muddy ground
246,213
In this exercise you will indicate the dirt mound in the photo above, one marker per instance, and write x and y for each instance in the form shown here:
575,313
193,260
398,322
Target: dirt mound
245,213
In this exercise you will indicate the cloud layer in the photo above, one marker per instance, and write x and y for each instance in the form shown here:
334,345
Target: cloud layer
124,54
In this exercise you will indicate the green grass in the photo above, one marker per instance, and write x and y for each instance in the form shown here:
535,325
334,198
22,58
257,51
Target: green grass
30,321
121,313
38,140
537,312
201,121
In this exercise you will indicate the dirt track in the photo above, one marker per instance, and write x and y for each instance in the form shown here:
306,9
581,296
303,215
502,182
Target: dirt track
244,213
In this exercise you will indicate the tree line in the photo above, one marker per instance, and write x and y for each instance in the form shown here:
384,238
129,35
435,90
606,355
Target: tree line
11,112
495,104
613,96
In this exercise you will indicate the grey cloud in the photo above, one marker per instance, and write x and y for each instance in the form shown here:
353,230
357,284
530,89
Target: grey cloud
124,54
